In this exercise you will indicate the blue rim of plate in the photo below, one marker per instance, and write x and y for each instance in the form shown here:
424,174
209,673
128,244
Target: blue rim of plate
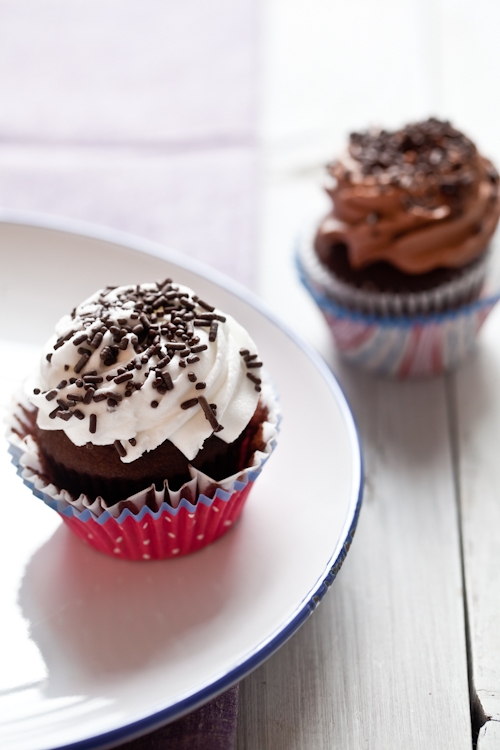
265,649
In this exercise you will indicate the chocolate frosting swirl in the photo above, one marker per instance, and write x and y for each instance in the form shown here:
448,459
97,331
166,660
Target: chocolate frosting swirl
419,198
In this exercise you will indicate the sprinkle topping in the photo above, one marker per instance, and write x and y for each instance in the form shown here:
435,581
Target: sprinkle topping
209,414
127,349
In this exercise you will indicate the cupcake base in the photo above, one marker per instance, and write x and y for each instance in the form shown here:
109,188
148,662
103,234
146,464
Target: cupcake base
385,343
164,534
152,524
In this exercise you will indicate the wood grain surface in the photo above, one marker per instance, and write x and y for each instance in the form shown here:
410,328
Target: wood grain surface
477,407
382,663
415,609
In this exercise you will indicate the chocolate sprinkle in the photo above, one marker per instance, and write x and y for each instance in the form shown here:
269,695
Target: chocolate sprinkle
97,340
120,448
81,362
209,413
189,403
431,150
114,395
158,324
65,415
205,305
213,331
124,377
167,379
88,396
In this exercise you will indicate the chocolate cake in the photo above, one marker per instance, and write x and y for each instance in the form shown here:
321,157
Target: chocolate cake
413,210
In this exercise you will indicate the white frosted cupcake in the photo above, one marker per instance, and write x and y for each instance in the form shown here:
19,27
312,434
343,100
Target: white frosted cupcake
148,421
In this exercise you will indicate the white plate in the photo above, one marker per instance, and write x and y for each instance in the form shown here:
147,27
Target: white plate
94,650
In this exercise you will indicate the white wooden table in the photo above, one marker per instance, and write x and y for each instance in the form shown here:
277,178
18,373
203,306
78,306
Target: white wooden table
383,663
403,653
405,650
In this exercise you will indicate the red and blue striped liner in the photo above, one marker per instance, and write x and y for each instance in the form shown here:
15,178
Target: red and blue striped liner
167,532
400,346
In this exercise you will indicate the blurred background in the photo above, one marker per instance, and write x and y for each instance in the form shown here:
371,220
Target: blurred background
205,125
141,116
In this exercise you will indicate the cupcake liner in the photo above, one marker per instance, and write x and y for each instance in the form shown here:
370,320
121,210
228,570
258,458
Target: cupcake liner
407,345
462,290
152,524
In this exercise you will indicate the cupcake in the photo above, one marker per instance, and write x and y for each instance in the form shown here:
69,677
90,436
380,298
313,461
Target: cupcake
399,265
148,421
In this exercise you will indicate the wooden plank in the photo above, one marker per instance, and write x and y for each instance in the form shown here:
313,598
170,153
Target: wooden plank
489,736
473,29
382,664
468,77
477,406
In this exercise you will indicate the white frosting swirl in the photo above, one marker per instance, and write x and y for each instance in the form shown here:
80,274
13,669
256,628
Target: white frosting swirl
143,411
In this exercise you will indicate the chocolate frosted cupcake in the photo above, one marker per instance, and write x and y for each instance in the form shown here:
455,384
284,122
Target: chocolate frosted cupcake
408,235
148,399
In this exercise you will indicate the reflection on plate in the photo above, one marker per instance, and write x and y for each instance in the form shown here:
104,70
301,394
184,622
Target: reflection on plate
96,650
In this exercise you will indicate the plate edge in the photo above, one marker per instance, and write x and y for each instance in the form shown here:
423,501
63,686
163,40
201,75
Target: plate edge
325,580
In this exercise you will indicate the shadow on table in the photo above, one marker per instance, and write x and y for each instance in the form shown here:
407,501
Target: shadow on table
475,389
403,424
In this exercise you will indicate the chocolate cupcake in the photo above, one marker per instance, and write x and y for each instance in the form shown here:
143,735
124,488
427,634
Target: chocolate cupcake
147,400
408,235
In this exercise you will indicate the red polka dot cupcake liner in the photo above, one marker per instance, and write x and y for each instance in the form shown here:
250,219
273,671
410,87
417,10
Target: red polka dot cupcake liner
152,524
169,532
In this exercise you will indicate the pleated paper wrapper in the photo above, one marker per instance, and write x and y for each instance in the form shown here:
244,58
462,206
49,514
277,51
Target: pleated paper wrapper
152,524
415,344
